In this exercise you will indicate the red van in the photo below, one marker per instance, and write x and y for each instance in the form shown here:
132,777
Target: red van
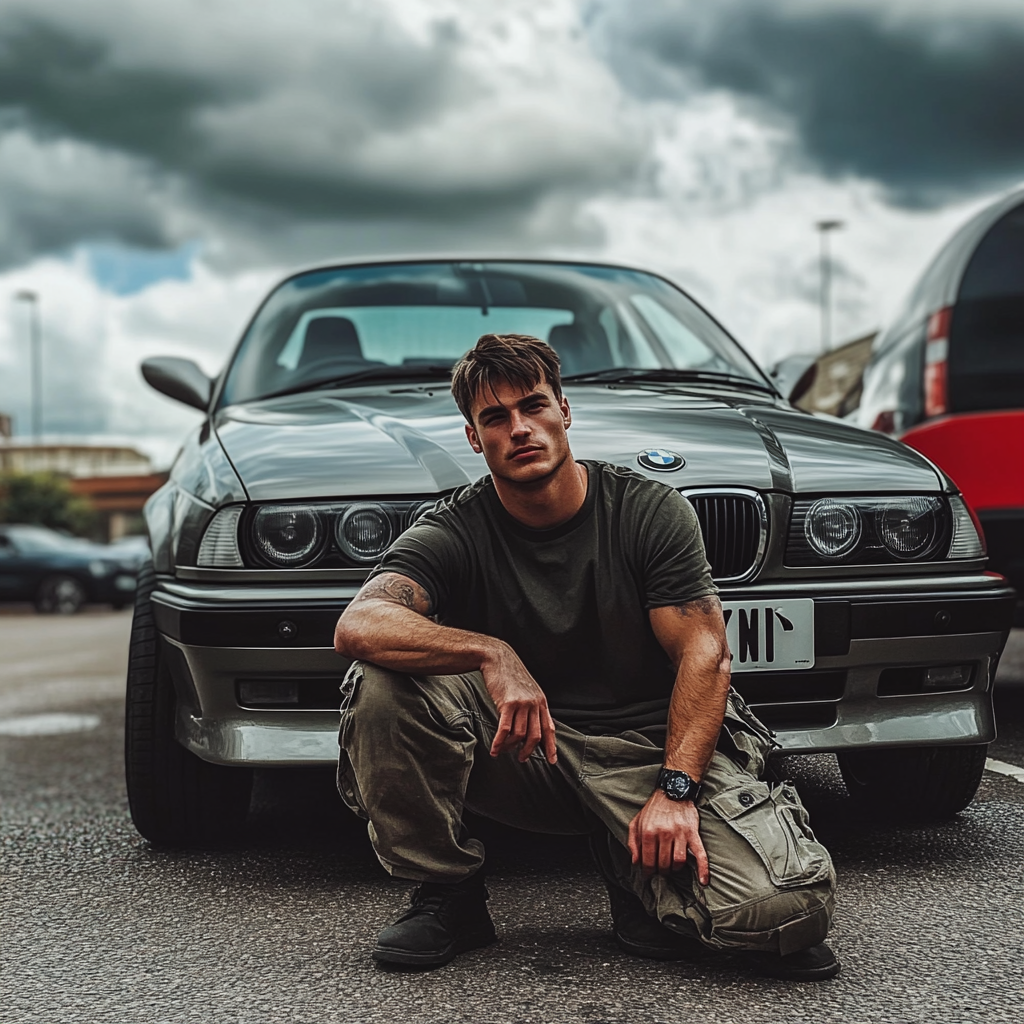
947,377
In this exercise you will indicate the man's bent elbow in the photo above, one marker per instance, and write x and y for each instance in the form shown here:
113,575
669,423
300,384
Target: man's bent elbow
349,640
342,642
725,665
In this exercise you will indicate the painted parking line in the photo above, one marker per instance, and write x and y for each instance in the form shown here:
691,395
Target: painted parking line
1009,770
47,725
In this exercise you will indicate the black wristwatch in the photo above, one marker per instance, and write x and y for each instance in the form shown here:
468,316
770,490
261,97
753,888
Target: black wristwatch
677,785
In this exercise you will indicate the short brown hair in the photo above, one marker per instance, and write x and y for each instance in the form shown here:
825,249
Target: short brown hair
517,359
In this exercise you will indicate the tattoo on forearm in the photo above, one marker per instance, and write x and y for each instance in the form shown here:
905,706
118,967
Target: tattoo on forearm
389,588
703,605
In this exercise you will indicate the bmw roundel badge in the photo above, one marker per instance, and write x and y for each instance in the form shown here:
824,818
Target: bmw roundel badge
660,459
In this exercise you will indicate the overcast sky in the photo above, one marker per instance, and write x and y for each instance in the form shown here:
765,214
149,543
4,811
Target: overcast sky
162,164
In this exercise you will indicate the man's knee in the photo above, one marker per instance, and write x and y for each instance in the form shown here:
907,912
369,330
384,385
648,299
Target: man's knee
781,922
772,883
378,695
392,708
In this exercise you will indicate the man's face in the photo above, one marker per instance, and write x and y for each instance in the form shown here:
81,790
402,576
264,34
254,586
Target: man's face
522,433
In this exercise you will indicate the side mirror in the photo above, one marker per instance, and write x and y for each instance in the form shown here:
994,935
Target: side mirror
794,376
179,379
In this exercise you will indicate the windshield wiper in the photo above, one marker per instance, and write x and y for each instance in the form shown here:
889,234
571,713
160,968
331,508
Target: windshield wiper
622,375
372,375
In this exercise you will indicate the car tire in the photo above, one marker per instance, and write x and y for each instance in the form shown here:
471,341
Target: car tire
175,797
60,594
914,783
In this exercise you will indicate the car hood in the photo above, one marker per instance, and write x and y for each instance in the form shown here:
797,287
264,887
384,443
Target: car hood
411,441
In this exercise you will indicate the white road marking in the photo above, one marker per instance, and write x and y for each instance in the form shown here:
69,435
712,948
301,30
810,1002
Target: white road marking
35,696
1010,770
47,725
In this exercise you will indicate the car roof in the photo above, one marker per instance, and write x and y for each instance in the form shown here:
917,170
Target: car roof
351,262
939,285
13,529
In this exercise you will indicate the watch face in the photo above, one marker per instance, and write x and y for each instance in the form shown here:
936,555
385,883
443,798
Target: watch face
677,785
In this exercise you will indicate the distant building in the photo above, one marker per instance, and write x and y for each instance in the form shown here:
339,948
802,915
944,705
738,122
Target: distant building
837,388
118,500
71,458
115,479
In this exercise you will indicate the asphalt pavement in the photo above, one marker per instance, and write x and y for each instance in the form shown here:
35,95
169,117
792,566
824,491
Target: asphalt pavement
96,926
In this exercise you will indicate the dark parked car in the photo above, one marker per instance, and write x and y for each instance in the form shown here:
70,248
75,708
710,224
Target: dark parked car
947,377
859,613
59,574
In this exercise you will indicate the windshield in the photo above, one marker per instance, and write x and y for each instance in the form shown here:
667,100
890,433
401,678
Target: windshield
412,320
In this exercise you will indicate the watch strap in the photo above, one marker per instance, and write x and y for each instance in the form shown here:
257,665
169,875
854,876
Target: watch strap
678,785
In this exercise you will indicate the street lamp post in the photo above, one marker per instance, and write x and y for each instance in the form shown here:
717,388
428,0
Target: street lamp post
36,344
825,227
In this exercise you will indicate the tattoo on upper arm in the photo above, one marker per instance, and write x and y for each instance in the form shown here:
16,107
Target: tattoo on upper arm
398,590
703,605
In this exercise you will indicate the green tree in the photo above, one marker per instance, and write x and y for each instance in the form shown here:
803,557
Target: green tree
44,499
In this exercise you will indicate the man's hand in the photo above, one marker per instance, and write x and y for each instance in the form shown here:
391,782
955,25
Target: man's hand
387,623
662,833
525,720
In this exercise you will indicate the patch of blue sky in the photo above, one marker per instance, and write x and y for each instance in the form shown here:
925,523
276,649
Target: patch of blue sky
125,270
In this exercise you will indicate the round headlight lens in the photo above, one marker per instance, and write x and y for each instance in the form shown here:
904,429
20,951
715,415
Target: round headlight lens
288,536
417,511
364,532
832,528
908,528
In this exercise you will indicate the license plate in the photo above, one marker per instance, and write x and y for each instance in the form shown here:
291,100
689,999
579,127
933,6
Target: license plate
770,636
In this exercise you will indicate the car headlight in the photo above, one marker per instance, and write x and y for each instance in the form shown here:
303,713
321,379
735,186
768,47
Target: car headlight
363,532
321,535
417,510
870,531
908,527
832,528
288,536
100,568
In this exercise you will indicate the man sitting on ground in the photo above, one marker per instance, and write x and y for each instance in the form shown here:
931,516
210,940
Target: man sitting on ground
546,648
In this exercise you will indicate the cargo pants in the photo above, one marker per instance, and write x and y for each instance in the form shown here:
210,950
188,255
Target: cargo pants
415,753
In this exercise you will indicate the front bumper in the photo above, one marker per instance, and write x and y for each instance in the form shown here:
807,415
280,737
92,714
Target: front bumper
873,641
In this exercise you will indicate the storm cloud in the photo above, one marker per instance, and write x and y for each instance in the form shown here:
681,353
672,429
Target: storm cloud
926,99
162,164
287,117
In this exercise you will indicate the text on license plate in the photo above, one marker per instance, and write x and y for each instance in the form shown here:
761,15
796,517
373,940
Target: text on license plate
766,636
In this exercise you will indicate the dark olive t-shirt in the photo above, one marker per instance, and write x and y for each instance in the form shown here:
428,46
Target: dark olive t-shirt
571,601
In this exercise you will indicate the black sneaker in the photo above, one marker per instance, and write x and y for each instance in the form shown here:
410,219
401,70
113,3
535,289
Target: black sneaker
817,963
443,921
640,934
636,931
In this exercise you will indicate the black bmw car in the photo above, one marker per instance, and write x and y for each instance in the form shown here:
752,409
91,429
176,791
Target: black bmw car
860,615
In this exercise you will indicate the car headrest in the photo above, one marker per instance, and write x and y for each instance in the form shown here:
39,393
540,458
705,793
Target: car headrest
578,350
331,337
